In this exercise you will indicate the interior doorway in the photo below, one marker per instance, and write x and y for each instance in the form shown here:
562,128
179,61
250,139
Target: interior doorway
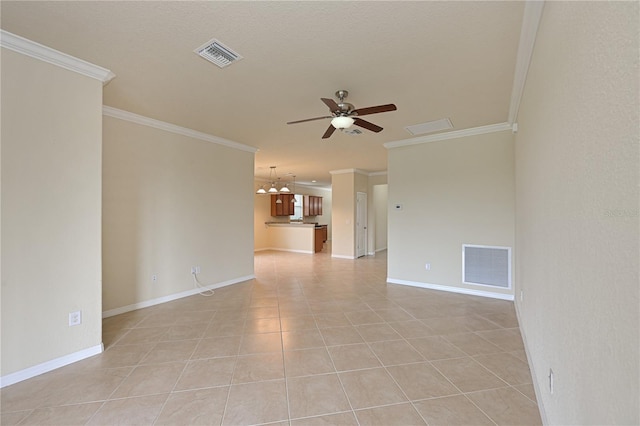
361,224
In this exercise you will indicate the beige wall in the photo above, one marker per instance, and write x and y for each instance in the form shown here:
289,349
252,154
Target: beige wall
577,162
343,215
171,202
262,213
452,192
51,177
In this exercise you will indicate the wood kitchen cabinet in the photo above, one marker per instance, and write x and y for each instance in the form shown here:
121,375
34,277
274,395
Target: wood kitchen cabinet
312,205
286,208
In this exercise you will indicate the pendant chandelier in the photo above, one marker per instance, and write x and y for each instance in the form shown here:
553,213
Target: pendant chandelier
276,187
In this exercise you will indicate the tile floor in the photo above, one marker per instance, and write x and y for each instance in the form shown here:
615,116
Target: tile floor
312,341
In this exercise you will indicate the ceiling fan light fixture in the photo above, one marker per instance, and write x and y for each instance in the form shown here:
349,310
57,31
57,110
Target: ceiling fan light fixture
342,122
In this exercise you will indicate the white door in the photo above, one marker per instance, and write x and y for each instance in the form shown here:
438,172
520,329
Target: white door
361,224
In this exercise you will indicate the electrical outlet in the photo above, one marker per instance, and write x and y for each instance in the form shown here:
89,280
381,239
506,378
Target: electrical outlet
75,318
427,266
195,270
154,278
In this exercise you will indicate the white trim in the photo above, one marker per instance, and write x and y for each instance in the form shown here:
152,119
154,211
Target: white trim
536,385
491,128
287,250
450,289
382,173
171,297
46,54
345,171
339,256
528,32
172,128
47,366
381,249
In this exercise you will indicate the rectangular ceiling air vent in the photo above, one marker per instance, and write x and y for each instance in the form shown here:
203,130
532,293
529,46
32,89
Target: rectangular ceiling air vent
218,53
352,131
430,127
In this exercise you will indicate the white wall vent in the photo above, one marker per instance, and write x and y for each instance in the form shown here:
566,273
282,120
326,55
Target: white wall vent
430,127
486,265
218,53
352,131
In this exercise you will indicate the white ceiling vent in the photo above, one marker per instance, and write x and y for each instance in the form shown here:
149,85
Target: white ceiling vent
430,127
352,131
218,53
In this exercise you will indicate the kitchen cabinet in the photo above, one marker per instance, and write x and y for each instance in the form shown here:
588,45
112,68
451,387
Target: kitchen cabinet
286,208
312,205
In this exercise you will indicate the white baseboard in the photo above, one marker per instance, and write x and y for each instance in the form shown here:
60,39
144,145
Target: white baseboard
450,289
169,298
47,366
536,385
339,256
287,250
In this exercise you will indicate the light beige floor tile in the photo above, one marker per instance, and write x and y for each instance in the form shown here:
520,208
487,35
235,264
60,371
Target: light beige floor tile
504,320
507,367
129,411
508,339
185,332
340,419
400,414
435,347
316,395
65,415
363,317
468,375
13,418
258,367
180,350
353,357
472,344
521,355
394,352
219,328
198,407
377,332
119,356
527,390
371,388
159,319
194,317
304,339
262,325
254,403
337,319
298,323
341,335
451,411
507,406
412,329
260,343
307,362
217,347
150,379
421,381
393,314
79,387
263,312
137,336
206,373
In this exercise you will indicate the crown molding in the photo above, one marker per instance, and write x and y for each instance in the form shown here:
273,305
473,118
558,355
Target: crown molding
528,33
46,54
358,171
492,128
172,128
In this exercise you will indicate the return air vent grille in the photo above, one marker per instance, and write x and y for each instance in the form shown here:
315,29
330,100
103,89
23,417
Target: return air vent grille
352,131
486,265
218,53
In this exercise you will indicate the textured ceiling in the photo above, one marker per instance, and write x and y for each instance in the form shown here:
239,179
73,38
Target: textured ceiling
432,59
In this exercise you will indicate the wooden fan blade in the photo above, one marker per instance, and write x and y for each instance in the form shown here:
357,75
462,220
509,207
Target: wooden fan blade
310,119
375,109
333,106
370,126
329,132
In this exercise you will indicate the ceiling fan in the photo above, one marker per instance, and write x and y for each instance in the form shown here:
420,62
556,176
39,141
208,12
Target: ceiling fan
344,114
